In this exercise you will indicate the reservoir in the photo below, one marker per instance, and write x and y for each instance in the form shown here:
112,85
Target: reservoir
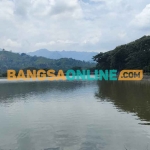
74,115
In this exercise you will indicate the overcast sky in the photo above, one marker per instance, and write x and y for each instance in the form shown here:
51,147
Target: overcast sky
81,25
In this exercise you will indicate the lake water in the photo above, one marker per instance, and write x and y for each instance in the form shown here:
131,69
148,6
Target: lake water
74,115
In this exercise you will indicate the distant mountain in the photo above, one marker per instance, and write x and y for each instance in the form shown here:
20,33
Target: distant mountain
10,60
83,56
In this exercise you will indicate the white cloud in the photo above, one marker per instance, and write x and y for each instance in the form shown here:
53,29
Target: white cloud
6,9
142,20
82,25
9,43
44,44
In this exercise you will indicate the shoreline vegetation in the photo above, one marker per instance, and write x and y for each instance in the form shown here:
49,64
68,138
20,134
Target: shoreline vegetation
146,77
10,60
132,56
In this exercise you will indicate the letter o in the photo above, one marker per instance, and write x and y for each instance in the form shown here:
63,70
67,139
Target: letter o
68,75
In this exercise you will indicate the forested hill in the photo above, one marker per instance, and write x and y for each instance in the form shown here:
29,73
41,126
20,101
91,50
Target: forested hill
10,60
134,55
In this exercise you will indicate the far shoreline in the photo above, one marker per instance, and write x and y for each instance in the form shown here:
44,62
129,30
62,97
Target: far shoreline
145,78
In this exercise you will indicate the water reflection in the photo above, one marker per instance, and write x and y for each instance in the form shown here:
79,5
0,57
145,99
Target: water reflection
131,97
67,116
9,91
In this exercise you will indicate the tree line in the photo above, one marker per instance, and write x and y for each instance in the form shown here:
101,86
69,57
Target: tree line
134,55
16,61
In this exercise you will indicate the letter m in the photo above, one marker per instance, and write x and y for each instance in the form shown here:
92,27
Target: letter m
136,74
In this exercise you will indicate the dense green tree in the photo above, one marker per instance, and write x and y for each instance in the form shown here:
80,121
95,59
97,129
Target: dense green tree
134,55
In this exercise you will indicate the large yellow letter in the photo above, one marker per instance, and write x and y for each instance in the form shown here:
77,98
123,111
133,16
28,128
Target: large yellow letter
51,74
31,74
21,75
60,75
41,75
11,75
